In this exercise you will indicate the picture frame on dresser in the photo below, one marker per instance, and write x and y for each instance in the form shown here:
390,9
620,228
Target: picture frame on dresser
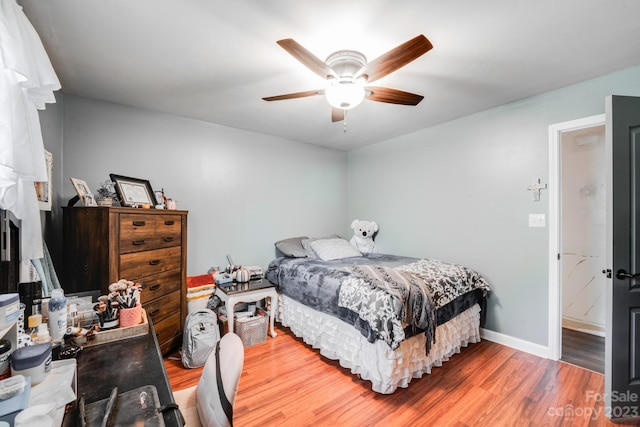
43,188
133,192
83,191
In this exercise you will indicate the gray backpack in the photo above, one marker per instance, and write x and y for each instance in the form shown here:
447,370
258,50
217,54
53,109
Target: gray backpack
201,334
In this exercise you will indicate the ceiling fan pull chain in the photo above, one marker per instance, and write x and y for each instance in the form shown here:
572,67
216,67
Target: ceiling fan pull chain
344,121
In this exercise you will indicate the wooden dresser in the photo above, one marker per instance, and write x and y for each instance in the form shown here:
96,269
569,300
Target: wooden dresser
105,244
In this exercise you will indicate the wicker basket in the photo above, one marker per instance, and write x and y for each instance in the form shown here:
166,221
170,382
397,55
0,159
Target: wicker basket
252,330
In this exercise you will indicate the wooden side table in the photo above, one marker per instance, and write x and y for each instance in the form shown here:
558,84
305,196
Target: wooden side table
252,291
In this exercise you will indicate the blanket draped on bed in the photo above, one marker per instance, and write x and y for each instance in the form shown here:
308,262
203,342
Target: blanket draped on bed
387,298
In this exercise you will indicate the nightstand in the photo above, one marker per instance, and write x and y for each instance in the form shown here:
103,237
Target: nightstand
251,291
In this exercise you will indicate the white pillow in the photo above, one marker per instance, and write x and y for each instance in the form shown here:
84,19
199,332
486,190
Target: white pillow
306,244
330,249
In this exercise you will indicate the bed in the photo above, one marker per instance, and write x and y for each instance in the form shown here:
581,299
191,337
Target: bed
387,318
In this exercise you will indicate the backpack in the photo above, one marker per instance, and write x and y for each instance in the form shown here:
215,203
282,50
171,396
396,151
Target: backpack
201,334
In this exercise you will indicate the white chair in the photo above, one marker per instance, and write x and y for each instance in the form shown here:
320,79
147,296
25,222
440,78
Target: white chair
201,405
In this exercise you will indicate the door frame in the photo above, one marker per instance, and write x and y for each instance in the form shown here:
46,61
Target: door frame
555,237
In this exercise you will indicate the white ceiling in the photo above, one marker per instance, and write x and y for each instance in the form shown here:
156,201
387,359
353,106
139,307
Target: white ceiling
214,60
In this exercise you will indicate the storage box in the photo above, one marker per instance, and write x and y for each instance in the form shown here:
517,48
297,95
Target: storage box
252,330
32,361
9,309
198,297
121,333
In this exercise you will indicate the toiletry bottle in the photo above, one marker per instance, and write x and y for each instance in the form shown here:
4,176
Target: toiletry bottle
57,314
32,325
42,334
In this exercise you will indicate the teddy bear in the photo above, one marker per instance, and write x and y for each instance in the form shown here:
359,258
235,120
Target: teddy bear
363,236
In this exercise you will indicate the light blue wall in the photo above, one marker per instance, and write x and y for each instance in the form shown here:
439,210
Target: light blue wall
457,192
243,190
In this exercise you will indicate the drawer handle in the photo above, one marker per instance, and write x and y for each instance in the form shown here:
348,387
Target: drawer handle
154,312
169,222
168,239
139,223
154,262
155,287
138,242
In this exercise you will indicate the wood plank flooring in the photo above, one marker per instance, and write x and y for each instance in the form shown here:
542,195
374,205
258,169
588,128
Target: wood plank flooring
286,383
582,349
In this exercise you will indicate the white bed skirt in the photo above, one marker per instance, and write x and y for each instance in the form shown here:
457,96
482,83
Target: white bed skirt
376,362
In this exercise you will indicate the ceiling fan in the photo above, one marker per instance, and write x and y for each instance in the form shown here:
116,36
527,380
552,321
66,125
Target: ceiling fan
348,74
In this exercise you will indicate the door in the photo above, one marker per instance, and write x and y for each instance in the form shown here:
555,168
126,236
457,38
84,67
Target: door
582,229
557,136
622,348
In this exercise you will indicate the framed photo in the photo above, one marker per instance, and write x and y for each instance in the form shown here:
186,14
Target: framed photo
43,188
159,197
89,200
133,192
83,191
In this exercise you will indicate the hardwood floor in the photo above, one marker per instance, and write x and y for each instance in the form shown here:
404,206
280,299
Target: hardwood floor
286,383
582,349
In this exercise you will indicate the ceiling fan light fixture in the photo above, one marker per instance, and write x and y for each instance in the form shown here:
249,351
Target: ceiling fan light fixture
345,93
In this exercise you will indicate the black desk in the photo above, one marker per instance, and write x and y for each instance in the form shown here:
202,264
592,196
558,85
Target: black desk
127,364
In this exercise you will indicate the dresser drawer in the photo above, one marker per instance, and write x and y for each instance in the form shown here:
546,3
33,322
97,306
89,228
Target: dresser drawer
168,231
136,265
144,232
168,333
158,285
163,307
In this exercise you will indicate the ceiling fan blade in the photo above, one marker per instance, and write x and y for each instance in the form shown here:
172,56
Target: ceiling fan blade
311,61
396,58
294,95
337,115
392,96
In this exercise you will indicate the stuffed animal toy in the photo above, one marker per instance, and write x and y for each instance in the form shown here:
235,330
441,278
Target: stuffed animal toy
362,239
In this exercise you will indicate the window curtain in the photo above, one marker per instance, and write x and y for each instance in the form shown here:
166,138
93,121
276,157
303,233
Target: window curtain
27,83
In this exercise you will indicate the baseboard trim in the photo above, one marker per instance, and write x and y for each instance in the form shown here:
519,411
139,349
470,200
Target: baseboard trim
517,343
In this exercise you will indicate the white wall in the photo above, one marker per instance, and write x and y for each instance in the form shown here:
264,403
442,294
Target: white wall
457,192
243,190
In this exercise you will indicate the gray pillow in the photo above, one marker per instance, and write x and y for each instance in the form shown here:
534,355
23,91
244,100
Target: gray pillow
292,247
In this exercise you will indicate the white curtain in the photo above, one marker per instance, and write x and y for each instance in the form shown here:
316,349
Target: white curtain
27,83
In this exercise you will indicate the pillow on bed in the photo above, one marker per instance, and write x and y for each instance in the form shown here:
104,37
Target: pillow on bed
306,244
330,249
292,247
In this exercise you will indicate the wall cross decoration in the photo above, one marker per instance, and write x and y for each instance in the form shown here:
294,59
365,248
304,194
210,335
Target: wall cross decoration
535,189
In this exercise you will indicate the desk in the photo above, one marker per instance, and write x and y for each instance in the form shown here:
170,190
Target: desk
127,364
252,291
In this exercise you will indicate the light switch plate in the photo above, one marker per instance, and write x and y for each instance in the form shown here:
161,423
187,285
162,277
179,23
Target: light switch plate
537,220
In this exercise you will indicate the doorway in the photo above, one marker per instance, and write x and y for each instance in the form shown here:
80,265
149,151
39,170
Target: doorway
577,234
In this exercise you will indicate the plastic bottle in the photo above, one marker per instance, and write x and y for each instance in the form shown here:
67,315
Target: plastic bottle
57,314
42,335
5,354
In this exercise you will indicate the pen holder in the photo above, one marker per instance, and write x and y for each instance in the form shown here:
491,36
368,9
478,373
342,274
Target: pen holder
109,323
130,316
